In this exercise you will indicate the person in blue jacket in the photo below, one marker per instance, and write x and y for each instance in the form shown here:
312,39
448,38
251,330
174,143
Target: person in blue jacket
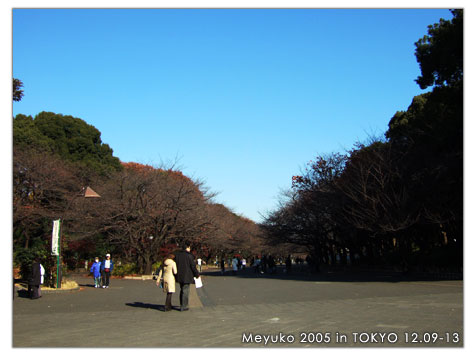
96,271
106,270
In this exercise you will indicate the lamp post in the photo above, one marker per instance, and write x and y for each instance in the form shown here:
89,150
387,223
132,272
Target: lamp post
56,234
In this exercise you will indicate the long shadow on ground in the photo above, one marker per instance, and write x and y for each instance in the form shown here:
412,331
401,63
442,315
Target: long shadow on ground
146,306
86,285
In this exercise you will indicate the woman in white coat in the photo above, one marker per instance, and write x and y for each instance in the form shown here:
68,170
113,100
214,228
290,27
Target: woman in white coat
168,272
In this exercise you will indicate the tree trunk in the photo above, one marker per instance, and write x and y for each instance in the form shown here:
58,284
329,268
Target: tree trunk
148,267
145,261
27,240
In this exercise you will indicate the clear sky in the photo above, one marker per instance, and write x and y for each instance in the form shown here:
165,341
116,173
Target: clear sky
242,98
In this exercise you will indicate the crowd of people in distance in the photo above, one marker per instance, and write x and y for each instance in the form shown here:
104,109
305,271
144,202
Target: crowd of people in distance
263,264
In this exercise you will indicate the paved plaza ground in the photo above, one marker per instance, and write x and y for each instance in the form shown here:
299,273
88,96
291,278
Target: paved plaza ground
248,310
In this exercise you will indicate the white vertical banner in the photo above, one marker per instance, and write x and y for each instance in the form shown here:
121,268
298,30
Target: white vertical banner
55,238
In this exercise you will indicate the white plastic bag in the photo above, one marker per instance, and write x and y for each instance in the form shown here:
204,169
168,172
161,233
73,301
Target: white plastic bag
198,282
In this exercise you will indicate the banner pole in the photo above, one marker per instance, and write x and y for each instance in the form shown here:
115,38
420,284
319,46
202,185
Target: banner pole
58,282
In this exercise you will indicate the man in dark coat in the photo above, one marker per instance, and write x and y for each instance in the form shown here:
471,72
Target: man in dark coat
34,281
186,270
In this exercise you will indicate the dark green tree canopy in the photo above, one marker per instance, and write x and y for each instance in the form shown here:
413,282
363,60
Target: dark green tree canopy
69,137
436,117
17,91
440,53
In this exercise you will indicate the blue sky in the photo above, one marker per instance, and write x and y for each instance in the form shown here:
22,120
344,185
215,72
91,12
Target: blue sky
243,98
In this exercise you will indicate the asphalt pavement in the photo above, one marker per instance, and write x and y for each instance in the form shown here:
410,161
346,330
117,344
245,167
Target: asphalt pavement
248,310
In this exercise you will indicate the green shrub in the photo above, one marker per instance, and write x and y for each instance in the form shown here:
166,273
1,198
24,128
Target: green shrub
24,257
156,267
125,269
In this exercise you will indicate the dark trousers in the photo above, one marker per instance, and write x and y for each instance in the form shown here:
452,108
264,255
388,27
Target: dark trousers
168,301
184,292
105,278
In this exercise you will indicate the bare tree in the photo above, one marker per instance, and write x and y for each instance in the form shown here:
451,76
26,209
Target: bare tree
143,208
43,187
376,198
308,212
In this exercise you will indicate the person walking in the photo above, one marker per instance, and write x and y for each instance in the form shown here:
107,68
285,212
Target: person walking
288,264
186,270
167,272
234,264
256,265
96,271
36,279
222,266
106,269
264,264
272,264
199,262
